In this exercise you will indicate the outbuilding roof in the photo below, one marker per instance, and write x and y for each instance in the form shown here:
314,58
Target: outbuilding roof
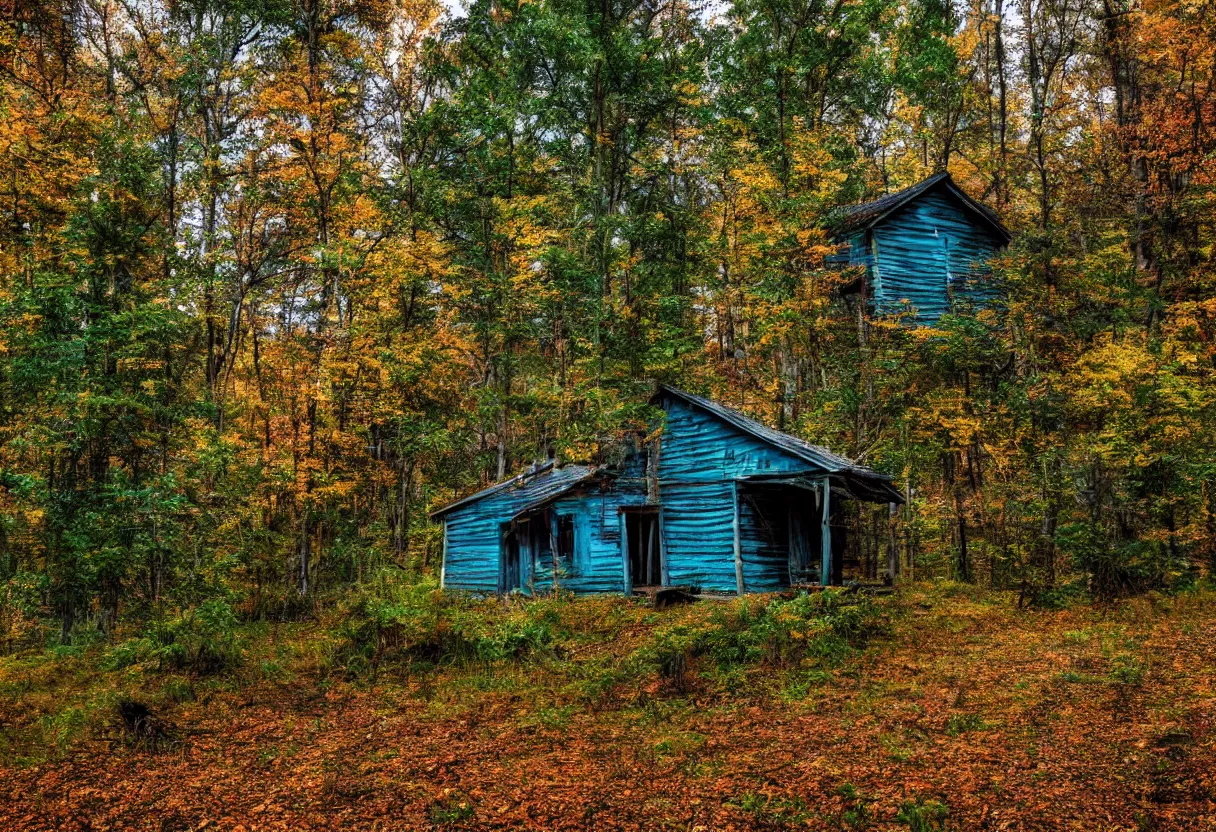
531,489
869,214
864,482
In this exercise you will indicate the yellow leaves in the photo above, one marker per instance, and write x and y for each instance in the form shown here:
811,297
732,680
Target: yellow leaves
1143,404
946,411
1110,374
688,93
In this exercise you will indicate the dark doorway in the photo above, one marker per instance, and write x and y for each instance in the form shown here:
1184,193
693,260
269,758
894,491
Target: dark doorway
511,576
645,553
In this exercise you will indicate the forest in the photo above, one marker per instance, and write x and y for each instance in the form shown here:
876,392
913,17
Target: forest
280,277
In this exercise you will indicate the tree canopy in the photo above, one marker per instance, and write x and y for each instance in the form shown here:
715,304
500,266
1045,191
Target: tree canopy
276,277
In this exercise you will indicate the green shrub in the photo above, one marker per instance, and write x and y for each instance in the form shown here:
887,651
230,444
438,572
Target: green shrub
202,640
1127,669
924,815
820,629
963,723
1119,568
131,652
419,624
1058,597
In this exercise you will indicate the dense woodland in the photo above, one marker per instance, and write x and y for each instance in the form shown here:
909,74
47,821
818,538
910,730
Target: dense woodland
277,278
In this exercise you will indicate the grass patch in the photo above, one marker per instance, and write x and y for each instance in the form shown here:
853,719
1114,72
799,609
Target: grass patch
778,810
964,723
924,815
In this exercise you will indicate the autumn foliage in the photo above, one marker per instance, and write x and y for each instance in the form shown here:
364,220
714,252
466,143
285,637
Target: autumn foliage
277,278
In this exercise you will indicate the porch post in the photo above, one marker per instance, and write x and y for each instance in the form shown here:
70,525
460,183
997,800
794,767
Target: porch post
443,564
825,536
738,543
892,546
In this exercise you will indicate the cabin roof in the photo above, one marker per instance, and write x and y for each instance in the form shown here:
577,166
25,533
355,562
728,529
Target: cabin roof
870,214
863,481
530,489
539,485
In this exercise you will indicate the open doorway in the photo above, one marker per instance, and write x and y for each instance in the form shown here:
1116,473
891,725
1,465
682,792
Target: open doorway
645,551
511,573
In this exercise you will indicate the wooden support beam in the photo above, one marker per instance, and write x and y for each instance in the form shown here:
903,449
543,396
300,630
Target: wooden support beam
664,569
892,544
825,535
628,575
443,564
739,588
651,547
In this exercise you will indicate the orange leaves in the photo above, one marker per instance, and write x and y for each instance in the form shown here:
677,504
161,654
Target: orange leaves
1003,718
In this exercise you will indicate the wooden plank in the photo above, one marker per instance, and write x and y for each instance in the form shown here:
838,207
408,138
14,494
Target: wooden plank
443,566
665,573
628,578
650,547
739,588
825,532
892,545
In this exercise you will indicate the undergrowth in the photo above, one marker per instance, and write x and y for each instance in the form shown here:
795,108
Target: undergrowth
412,629
554,657
804,632
204,640
419,626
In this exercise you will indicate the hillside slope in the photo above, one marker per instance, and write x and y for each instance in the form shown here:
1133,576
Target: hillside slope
964,714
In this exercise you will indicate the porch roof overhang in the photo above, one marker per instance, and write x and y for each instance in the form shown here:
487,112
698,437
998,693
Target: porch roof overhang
875,489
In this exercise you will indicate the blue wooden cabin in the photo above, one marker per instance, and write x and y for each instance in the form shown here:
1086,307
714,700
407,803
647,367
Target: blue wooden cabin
926,247
719,502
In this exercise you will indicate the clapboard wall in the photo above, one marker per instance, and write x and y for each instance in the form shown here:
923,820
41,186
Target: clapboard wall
473,536
930,257
701,457
599,558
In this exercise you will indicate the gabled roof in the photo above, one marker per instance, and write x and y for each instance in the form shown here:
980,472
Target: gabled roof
531,489
865,479
870,214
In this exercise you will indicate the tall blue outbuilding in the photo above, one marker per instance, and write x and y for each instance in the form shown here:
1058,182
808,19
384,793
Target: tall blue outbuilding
926,247
719,502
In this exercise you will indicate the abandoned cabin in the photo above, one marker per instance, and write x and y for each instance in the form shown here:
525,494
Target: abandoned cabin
923,250
719,503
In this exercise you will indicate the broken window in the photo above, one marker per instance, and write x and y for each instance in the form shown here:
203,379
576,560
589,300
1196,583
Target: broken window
565,539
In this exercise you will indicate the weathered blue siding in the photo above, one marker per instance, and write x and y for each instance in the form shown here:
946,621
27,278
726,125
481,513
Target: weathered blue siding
932,254
700,460
854,251
472,544
473,539
712,463
599,562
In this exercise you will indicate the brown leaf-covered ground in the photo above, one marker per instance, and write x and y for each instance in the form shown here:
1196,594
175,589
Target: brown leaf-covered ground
971,714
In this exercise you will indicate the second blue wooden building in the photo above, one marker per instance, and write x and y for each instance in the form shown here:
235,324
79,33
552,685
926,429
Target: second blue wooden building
924,250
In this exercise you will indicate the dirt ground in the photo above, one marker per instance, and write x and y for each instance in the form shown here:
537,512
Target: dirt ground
969,715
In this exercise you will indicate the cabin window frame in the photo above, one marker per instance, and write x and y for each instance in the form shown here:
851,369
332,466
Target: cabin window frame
565,522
